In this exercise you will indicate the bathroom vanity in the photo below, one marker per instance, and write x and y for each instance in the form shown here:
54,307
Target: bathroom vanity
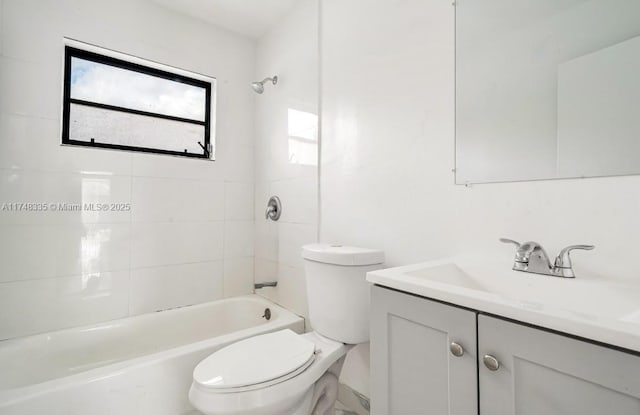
464,336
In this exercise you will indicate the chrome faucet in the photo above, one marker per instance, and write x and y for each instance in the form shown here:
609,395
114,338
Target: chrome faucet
531,257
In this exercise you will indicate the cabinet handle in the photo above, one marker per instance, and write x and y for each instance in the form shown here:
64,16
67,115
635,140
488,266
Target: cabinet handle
491,362
456,349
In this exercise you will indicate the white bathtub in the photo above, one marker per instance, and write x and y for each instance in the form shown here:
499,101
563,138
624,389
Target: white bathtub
139,365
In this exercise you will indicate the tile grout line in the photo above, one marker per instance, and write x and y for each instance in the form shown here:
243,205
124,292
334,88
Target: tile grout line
224,242
130,240
128,270
319,129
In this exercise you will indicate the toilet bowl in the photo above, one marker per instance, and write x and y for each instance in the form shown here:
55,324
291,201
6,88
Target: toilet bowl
271,374
285,373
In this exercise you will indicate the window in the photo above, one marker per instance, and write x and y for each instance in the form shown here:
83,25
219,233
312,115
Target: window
118,104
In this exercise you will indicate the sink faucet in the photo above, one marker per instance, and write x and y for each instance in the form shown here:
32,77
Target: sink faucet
531,257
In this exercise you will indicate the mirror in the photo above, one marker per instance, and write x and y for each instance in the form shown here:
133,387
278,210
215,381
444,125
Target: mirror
547,89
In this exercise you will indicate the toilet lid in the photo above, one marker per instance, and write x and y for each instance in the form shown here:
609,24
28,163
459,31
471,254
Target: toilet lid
255,360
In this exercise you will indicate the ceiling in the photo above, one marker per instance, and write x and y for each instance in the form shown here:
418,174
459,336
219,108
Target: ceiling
251,18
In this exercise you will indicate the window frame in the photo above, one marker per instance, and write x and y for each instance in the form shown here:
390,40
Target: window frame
72,51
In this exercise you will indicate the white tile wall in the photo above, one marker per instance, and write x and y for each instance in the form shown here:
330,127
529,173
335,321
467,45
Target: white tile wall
301,208
61,269
292,289
29,146
159,166
1,26
45,251
26,185
239,201
37,306
160,288
190,201
176,243
266,237
265,270
238,239
42,95
291,237
238,276
289,50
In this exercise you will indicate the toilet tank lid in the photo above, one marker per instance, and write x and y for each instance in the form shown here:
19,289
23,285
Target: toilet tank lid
342,255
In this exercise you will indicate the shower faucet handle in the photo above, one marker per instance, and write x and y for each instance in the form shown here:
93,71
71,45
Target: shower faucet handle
274,209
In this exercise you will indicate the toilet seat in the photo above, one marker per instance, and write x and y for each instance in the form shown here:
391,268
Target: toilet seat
255,363
276,396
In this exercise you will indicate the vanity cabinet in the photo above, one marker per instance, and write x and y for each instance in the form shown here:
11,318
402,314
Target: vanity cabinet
413,369
506,368
546,373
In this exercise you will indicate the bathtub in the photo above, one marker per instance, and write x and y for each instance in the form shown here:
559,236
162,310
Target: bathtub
138,365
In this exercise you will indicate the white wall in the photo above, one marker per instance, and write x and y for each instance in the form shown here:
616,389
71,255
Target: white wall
388,151
188,237
286,153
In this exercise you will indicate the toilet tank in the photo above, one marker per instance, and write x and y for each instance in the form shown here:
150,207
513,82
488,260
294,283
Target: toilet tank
337,290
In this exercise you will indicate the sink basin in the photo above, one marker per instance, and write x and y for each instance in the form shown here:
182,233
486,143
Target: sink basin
589,297
587,306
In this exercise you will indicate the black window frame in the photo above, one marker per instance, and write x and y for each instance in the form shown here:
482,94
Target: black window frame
73,52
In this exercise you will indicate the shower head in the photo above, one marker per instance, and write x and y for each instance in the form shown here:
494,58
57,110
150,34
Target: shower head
259,86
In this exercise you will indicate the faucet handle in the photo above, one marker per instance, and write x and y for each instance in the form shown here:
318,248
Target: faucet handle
520,256
510,241
563,260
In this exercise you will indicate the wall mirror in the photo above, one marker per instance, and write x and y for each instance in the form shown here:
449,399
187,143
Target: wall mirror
547,89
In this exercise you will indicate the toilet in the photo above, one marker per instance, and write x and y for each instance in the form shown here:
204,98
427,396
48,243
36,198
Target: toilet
285,373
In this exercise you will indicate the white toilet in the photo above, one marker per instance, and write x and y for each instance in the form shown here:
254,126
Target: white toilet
284,373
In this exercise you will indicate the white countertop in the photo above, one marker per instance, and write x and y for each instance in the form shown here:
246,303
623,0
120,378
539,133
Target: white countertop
603,310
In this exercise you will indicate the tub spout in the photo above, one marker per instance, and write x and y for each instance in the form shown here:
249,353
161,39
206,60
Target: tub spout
259,285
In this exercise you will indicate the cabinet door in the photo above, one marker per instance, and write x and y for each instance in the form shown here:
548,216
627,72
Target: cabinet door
412,368
546,373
